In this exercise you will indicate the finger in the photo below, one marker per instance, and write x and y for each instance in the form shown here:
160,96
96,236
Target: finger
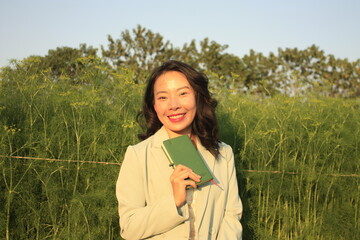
180,168
195,174
186,174
194,177
190,183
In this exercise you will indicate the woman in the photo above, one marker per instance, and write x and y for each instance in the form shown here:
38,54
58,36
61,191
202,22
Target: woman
158,202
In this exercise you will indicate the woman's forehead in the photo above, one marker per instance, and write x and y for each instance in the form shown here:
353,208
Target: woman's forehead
171,80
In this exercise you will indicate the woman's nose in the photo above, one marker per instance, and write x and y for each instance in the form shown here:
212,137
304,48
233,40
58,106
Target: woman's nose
174,103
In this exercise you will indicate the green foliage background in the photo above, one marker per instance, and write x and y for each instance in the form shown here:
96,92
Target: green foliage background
297,158
293,120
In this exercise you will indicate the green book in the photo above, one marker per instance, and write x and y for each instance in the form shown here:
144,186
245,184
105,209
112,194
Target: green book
180,150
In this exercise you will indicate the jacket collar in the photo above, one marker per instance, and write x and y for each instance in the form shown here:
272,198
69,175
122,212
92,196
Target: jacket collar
160,136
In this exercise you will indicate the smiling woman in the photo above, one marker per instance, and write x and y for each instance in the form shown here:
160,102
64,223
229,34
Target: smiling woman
175,103
159,202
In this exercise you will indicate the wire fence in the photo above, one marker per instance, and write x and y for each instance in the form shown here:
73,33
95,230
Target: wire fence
119,164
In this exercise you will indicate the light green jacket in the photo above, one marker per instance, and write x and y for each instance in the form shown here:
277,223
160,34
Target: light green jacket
146,205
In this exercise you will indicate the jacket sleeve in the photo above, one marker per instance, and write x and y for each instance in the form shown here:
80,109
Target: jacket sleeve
231,227
139,219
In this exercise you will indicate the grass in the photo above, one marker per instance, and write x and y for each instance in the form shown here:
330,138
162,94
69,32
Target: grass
297,159
303,152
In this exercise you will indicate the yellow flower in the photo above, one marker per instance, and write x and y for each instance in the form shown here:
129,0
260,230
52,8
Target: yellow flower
79,104
128,124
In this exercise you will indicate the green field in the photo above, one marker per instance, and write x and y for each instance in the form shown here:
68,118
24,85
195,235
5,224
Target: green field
298,159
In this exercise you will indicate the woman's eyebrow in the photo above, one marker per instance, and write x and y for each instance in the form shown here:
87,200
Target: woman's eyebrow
159,92
164,91
181,88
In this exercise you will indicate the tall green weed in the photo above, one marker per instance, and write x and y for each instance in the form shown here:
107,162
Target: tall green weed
298,165
297,158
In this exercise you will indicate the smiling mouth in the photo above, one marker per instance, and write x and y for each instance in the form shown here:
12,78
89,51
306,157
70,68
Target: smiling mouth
176,117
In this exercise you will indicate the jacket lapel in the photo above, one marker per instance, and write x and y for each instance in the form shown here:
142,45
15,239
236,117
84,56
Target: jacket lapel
157,153
204,190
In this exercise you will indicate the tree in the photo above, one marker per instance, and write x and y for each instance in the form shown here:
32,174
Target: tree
67,62
291,71
140,50
211,59
61,64
259,74
342,77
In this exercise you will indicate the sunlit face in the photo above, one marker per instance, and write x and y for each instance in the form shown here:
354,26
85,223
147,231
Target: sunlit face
174,103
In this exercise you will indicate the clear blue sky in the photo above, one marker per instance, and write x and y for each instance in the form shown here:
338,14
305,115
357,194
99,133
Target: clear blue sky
32,27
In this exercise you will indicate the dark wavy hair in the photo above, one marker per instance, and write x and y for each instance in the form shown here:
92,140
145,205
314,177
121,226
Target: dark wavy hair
205,124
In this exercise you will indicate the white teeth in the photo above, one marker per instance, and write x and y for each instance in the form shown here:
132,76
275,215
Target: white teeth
176,116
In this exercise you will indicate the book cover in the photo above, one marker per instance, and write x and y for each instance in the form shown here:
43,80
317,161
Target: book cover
181,150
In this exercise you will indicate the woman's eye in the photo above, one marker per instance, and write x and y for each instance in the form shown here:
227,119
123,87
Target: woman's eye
161,98
183,93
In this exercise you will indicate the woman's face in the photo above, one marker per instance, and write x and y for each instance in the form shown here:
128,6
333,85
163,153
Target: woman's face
174,103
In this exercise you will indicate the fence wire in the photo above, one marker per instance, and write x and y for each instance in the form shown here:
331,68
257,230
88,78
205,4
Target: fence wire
119,164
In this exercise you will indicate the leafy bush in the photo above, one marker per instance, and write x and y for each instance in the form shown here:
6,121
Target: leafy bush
297,158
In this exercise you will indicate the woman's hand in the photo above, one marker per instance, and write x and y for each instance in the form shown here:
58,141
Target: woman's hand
180,179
